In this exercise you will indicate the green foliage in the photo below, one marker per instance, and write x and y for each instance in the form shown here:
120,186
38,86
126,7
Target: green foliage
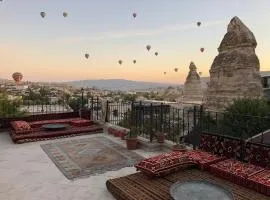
76,103
244,118
134,132
9,108
247,117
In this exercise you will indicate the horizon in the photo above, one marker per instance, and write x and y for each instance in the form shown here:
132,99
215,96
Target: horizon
51,49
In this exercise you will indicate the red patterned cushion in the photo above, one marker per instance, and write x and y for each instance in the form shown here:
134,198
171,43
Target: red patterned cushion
260,182
165,163
204,159
235,171
81,122
21,126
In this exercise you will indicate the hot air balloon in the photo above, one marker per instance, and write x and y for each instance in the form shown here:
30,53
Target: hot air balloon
148,47
176,69
156,53
86,55
201,49
42,14
17,77
134,61
199,23
164,73
120,62
200,73
65,14
134,15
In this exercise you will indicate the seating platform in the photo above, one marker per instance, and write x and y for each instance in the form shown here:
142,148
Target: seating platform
139,186
22,131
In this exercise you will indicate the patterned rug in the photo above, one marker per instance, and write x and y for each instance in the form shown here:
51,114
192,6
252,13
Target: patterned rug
89,156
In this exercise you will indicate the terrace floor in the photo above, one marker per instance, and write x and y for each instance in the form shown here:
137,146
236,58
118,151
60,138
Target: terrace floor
27,173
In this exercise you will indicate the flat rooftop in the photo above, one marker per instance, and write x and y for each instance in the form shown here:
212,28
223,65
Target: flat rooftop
28,173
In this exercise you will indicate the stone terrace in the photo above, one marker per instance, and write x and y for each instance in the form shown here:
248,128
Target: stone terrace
28,173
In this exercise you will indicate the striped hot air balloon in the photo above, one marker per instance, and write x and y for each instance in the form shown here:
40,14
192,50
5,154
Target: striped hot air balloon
17,77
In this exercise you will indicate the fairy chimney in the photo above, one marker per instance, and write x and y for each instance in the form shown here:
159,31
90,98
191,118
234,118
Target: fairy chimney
235,70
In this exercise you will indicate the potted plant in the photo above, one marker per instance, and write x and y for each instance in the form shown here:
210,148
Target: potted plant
160,136
124,133
131,138
178,146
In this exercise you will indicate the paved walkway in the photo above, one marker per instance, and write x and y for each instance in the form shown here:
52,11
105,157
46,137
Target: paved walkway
27,173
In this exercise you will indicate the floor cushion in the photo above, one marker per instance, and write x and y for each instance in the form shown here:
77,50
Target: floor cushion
21,127
164,164
235,171
260,182
204,159
81,122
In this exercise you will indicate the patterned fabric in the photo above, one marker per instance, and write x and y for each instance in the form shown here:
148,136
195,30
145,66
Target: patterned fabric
81,122
235,171
21,127
208,142
203,159
117,132
258,154
220,145
165,163
260,182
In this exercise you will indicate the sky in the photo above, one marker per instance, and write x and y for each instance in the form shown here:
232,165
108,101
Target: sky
52,48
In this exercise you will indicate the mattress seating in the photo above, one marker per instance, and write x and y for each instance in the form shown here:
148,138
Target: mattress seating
260,182
235,171
164,164
22,131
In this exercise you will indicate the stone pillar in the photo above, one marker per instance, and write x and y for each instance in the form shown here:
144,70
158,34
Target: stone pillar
192,87
235,70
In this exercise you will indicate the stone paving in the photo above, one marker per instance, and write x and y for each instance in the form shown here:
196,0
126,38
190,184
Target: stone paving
27,173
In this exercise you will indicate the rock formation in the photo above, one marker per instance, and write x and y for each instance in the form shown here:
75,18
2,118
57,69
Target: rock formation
192,87
235,70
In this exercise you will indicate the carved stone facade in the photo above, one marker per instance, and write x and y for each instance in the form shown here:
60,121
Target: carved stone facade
235,70
192,88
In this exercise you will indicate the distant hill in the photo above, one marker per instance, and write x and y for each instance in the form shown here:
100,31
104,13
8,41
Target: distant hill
118,84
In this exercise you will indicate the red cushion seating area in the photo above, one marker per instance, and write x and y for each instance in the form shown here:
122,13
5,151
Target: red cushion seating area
260,182
117,132
235,171
204,159
164,164
21,133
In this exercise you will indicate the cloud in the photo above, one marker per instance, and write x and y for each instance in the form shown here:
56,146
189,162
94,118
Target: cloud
138,33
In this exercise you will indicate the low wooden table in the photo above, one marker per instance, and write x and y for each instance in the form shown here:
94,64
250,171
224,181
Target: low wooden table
201,190
54,127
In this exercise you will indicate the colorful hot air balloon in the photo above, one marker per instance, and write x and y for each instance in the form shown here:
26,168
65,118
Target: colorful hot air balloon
176,69
202,49
134,15
17,77
156,53
199,23
134,61
65,14
148,47
120,62
86,55
42,14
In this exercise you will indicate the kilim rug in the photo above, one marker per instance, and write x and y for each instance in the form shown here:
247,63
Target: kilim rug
89,156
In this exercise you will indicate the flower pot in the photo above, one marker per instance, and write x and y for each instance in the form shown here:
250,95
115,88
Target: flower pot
179,147
131,143
161,137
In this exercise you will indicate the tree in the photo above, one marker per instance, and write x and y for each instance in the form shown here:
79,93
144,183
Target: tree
247,117
9,108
